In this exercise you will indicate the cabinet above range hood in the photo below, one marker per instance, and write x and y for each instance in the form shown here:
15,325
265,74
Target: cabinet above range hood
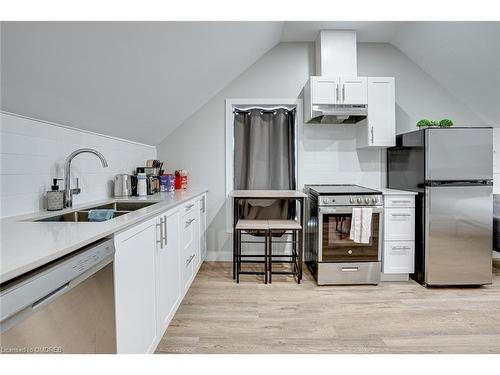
336,95
337,100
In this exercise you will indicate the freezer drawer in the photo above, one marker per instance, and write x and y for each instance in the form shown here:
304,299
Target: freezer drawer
458,235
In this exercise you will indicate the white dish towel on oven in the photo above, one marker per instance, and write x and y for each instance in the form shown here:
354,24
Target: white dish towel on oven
361,224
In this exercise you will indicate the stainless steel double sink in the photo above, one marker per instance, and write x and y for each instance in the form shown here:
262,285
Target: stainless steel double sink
120,208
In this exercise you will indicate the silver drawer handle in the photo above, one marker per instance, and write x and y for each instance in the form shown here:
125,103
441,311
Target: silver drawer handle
189,260
396,201
189,206
162,233
400,214
401,248
188,222
350,269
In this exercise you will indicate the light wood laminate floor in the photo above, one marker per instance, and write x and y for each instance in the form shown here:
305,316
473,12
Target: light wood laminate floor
220,316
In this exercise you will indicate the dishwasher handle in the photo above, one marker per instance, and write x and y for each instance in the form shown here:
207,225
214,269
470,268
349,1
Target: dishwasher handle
50,296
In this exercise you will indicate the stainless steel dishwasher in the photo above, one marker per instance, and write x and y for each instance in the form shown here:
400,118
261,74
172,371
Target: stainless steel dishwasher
66,306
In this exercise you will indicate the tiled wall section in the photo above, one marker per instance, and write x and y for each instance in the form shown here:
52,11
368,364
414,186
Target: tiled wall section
33,153
330,156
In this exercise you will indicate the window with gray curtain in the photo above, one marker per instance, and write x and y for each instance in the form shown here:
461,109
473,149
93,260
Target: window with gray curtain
264,159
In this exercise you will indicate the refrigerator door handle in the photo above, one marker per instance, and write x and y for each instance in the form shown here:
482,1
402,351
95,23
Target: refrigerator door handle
485,182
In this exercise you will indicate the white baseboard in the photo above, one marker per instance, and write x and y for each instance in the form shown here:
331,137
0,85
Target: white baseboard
394,277
219,256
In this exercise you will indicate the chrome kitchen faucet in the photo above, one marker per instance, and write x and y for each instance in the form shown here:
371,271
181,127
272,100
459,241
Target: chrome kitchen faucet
68,192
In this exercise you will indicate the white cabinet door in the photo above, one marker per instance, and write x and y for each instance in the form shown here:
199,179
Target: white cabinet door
398,257
135,289
189,244
399,224
381,112
353,90
168,267
197,236
324,90
203,227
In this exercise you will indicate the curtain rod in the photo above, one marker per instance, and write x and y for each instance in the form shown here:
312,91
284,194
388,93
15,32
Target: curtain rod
263,109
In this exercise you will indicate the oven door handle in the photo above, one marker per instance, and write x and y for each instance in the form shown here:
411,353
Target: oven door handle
345,210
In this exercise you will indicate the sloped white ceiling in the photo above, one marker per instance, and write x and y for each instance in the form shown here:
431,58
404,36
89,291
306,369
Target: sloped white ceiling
140,80
134,80
463,57
366,31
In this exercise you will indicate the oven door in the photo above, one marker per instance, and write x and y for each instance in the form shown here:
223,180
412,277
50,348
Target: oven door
334,245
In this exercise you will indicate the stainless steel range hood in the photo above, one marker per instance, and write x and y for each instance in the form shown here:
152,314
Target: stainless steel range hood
338,113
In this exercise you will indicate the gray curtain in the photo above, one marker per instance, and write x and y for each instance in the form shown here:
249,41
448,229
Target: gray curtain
264,159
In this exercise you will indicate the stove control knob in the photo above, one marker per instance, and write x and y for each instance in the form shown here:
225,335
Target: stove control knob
352,200
374,200
326,201
360,200
367,200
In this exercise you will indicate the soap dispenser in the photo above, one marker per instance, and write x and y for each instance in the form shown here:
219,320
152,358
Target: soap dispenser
55,197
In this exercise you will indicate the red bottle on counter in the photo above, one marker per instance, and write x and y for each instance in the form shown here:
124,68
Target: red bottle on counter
181,179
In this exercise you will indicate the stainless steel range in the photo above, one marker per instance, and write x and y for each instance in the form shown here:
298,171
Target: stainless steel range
332,257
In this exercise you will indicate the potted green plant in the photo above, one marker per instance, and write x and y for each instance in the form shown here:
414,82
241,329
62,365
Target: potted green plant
424,123
445,123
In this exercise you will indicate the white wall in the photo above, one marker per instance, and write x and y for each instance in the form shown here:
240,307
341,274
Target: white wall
329,155
496,161
418,95
33,153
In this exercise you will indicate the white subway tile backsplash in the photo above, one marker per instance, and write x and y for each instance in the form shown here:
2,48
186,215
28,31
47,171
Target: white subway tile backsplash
33,153
330,156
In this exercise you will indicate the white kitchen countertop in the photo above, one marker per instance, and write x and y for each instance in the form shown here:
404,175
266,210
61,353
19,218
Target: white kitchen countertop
386,191
267,194
26,245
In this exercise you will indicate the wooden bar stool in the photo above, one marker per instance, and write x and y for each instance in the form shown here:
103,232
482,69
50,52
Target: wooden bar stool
286,227
251,227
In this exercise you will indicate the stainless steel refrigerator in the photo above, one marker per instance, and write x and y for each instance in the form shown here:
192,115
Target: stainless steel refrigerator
452,171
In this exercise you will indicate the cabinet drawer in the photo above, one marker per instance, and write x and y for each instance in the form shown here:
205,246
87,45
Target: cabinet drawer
399,257
399,224
399,201
188,229
189,206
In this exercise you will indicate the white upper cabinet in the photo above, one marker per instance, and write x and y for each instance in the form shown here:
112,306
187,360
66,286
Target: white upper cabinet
353,90
379,128
324,90
338,90
323,94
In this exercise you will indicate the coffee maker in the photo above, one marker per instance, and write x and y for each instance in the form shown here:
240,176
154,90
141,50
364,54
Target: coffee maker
152,179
